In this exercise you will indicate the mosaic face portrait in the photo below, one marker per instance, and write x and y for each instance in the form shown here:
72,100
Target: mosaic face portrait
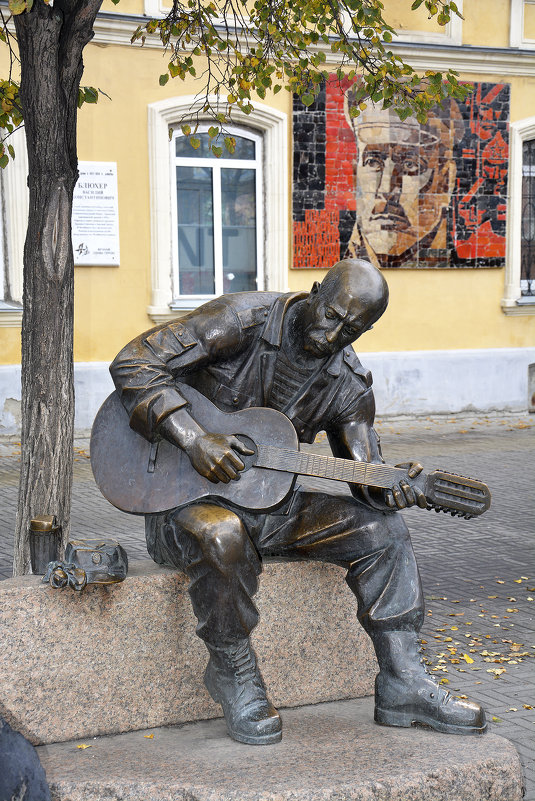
404,178
401,193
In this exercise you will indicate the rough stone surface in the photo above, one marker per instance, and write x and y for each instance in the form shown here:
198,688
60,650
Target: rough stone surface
329,752
125,657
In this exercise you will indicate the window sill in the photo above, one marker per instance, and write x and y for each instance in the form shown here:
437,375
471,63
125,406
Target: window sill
165,314
522,306
10,315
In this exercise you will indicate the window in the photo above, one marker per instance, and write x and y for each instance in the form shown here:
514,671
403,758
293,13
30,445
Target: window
519,296
267,128
13,223
527,243
217,215
522,24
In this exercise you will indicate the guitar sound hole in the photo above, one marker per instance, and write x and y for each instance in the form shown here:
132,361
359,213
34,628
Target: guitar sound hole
248,459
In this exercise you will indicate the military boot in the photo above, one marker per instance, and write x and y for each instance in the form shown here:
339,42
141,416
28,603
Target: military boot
233,680
405,694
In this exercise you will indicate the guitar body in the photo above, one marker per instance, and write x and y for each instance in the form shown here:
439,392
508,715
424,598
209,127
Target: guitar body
143,478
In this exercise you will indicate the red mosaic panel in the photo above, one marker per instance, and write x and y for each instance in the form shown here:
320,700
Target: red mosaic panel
400,193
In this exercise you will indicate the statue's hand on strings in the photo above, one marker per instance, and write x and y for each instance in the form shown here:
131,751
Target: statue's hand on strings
403,494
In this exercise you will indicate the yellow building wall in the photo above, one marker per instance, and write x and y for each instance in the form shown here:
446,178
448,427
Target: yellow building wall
493,30
429,309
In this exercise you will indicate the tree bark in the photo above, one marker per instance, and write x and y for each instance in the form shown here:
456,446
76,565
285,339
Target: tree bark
51,41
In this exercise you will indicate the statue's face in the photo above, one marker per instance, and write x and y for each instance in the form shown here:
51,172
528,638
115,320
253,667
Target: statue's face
333,319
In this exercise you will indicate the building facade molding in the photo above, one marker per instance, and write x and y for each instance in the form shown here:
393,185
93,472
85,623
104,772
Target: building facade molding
10,318
426,51
511,302
269,122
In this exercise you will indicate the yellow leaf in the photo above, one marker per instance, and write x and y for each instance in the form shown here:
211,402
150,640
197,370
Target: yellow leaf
518,581
468,659
512,709
83,745
444,680
500,582
527,706
148,736
455,628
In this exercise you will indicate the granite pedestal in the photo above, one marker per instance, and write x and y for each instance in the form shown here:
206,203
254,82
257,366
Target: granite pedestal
329,752
124,657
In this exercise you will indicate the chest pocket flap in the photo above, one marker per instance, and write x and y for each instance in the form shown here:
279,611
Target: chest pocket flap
170,341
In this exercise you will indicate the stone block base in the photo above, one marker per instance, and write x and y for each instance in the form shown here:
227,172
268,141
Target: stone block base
124,657
329,752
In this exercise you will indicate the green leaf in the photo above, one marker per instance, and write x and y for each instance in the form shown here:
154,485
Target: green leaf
163,79
195,142
307,99
416,4
18,6
11,150
213,132
90,94
186,130
230,144
4,160
217,151
403,113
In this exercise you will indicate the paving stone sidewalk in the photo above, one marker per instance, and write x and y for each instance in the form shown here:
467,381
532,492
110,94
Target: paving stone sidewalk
477,575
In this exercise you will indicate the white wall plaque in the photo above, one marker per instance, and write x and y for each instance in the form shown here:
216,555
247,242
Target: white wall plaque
95,214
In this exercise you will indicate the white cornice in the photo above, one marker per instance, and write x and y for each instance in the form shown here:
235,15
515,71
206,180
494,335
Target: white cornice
477,60
117,29
11,319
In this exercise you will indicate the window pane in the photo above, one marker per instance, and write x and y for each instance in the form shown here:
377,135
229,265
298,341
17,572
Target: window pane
527,274
245,148
195,214
238,207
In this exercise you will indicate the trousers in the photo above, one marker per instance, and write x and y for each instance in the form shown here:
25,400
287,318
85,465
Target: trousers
221,549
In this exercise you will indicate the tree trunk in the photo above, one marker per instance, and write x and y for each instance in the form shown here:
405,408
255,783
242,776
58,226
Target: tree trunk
51,40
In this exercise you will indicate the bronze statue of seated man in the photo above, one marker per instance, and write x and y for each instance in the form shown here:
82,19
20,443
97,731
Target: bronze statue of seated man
290,352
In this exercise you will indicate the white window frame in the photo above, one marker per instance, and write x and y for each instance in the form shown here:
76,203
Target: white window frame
267,122
181,301
14,222
516,25
512,302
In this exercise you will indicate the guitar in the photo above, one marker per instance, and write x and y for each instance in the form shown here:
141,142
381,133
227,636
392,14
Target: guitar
141,477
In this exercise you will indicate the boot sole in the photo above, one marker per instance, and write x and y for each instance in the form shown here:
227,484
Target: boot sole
390,717
265,739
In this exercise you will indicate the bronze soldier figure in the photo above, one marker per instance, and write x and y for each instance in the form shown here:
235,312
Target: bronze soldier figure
291,352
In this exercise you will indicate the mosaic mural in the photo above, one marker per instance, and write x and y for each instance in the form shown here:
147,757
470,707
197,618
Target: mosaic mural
401,193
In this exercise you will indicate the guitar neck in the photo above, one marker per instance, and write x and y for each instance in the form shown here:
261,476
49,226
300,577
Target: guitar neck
309,464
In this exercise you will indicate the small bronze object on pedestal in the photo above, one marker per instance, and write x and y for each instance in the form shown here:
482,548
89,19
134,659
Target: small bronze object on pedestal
45,537
88,561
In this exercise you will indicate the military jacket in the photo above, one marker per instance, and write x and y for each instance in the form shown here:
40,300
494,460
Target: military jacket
227,349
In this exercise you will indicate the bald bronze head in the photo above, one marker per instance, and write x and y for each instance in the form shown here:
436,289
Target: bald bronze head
349,300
